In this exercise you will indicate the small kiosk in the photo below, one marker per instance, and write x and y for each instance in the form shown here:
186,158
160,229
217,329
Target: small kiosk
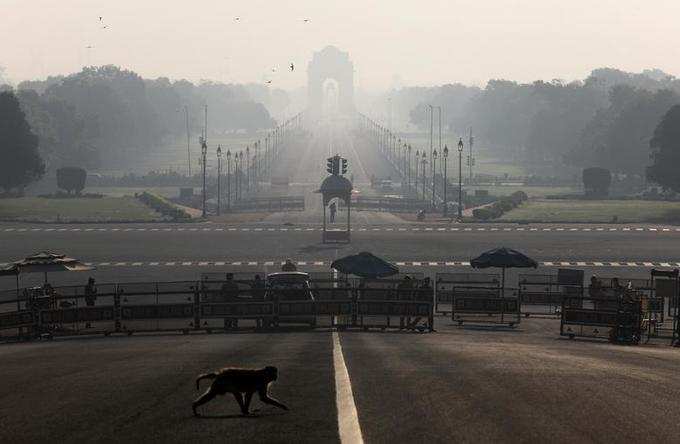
336,187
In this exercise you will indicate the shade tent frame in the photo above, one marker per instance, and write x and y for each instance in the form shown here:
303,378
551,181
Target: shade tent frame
44,262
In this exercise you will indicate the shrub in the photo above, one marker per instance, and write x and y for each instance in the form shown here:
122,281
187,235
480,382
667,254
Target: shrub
163,206
499,207
482,213
596,182
71,179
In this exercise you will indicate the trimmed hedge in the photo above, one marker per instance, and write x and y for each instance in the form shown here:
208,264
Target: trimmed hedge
496,210
163,206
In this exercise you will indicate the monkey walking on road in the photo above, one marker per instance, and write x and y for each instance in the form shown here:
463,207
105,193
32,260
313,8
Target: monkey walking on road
238,382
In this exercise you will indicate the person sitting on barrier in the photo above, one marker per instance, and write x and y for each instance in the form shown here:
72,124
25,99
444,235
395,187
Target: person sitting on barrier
403,289
229,293
288,266
404,293
595,287
258,287
90,292
426,291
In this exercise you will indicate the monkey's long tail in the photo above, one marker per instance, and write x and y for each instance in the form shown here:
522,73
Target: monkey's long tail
204,376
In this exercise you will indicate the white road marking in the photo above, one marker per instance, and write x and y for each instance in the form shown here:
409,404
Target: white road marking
348,418
421,263
376,229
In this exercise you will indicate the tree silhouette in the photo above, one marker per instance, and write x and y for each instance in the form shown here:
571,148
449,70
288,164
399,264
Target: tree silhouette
20,163
665,147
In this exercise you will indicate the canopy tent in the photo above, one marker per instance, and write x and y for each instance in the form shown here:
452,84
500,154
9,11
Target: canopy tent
503,258
365,265
46,262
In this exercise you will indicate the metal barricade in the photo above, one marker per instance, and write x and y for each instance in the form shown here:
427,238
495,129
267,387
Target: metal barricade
600,318
377,308
485,305
208,304
445,283
542,294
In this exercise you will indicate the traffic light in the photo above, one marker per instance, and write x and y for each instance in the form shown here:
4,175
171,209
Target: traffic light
329,165
344,166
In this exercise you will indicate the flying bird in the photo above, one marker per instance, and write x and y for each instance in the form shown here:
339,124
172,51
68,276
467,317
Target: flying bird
307,20
292,67
236,19
89,47
273,69
269,81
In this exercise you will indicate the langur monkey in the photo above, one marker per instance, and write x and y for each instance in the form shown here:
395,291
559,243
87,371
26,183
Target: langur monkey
238,381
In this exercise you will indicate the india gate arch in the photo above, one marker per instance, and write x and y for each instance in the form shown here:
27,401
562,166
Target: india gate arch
330,63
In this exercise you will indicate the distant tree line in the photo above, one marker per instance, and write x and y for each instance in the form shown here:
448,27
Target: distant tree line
106,116
607,120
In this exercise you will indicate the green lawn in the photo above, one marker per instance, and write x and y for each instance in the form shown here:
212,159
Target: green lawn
601,211
532,191
106,209
167,192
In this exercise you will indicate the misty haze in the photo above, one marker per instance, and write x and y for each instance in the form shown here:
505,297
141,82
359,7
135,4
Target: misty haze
351,222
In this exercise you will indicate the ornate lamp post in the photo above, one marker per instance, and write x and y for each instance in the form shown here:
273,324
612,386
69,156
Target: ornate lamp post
408,166
256,184
236,176
460,179
240,176
434,177
219,175
228,180
247,169
445,155
424,162
267,164
417,164
204,153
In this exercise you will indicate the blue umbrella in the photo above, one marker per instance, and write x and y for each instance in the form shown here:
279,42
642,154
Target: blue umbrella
365,265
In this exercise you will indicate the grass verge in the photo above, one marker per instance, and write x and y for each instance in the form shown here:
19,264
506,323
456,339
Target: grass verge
74,210
594,211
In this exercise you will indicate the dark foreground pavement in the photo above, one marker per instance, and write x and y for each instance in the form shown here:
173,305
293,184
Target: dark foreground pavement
459,384
139,389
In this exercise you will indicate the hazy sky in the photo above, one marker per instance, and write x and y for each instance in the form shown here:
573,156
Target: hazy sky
422,42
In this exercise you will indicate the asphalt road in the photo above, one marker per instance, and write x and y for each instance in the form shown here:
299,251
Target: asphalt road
459,384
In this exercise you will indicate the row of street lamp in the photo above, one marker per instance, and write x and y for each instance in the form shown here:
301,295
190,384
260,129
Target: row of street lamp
399,152
247,169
